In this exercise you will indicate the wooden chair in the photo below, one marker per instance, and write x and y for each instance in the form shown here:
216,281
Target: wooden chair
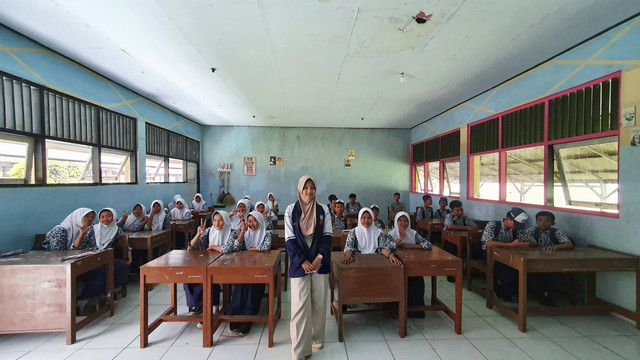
39,238
474,247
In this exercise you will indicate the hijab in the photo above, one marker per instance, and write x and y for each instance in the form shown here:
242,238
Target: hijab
253,238
409,233
71,223
180,213
105,233
132,220
219,237
266,210
308,216
235,219
271,204
250,206
367,236
158,219
172,204
198,205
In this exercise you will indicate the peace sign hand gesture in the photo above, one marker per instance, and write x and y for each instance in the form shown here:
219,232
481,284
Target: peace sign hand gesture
203,225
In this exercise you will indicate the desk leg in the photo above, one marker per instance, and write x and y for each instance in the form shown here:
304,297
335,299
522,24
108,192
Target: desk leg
490,263
207,336
458,316
149,250
434,289
109,289
638,297
272,284
174,298
71,309
522,296
144,311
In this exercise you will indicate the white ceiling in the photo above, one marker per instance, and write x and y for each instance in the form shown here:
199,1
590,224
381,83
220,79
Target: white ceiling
311,63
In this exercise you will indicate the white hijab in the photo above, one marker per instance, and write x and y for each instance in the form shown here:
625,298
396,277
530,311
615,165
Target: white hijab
266,211
173,203
367,237
158,219
178,213
253,238
105,233
71,223
235,219
220,237
132,220
198,205
409,233
271,204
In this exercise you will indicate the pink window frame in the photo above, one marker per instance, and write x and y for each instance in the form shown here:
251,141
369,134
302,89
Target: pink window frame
441,169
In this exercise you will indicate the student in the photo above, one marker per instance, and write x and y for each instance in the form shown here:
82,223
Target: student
396,205
158,218
181,211
272,204
456,220
332,202
551,240
136,221
442,212
368,239
250,205
246,298
269,218
218,237
377,222
238,214
338,220
308,239
198,204
353,207
425,211
505,234
405,237
172,204
72,228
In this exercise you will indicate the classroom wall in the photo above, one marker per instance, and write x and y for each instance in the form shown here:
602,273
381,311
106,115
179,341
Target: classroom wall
378,170
616,49
36,209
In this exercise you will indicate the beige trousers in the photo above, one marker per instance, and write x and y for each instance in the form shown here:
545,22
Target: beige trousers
308,313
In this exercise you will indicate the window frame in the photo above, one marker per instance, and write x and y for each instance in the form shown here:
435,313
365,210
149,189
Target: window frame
161,143
440,159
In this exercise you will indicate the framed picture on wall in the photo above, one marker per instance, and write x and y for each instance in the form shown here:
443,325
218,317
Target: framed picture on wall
272,160
249,166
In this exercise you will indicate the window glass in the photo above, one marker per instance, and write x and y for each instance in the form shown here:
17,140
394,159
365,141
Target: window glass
451,178
525,175
177,170
68,163
155,169
587,175
486,181
16,160
433,177
418,180
115,166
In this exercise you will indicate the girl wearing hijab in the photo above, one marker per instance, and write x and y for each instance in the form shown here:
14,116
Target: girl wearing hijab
218,237
181,211
405,237
246,298
238,214
198,204
72,228
269,218
172,204
158,219
368,239
136,221
308,234
272,204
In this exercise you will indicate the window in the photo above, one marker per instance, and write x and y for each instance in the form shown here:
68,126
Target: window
436,165
561,151
16,159
155,169
115,166
433,177
418,181
177,170
451,178
68,163
168,154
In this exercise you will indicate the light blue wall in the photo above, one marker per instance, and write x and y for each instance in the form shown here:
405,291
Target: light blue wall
31,210
618,49
379,169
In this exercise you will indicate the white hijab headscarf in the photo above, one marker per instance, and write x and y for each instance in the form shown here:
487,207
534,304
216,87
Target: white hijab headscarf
158,219
180,213
172,204
198,205
266,211
271,204
367,236
105,233
253,238
220,237
235,219
409,233
71,223
132,220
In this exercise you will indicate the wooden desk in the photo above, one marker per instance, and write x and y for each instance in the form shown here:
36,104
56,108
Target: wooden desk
339,239
459,239
207,215
187,227
536,260
430,226
177,266
278,242
247,267
369,279
38,291
149,240
435,262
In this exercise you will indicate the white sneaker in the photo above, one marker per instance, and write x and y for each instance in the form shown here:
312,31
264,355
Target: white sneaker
199,325
317,345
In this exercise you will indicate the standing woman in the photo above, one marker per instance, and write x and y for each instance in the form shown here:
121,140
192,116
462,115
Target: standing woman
308,234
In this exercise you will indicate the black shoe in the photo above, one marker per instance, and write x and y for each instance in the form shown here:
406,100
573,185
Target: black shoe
416,314
196,310
547,300
451,279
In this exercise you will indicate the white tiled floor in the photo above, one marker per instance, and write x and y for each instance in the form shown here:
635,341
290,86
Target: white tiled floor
486,334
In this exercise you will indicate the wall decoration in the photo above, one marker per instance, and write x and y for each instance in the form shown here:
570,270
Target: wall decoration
279,161
249,166
351,154
629,116
347,163
635,137
272,160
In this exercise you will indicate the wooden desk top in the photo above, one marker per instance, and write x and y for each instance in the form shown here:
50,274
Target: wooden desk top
362,261
203,215
146,234
51,258
247,259
183,258
419,262
183,222
449,234
578,253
